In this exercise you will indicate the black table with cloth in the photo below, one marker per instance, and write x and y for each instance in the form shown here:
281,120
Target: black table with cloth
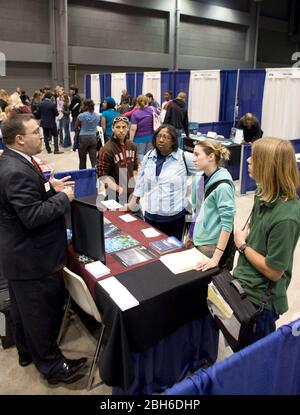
167,302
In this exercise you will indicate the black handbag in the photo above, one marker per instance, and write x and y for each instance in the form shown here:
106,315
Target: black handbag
232,311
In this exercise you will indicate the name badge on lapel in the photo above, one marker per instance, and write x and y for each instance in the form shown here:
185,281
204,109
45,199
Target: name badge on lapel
47,186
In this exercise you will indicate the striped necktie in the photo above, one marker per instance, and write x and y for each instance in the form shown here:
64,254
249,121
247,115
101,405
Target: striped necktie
36,165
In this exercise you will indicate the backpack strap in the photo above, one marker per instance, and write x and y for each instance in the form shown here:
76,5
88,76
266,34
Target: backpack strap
215,185
184,160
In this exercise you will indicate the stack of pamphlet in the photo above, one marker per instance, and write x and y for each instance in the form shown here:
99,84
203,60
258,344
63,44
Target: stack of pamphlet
97,269
166,245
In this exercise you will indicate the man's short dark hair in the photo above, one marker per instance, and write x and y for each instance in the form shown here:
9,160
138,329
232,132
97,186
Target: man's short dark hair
48,95
74,88
13,126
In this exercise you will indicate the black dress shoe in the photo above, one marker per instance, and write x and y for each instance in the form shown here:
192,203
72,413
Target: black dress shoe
68,372
24,360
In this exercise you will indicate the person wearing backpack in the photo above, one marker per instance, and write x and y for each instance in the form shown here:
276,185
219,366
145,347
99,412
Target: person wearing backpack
213,200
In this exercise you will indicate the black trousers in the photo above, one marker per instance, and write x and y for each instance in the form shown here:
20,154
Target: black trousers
48,133
37,309
174,228
87,145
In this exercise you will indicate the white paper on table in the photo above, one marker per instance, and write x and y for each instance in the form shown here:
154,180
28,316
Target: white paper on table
97,269
127,218
183,261
111,204
118,293
150,232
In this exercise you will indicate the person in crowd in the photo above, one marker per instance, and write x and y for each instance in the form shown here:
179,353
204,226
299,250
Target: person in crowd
117,162
165,104
250,126
58,95
65,121
177,116
75,108
162,180
167,100
16,106
151,101
48,113
124,107
4,102
35,102
141,129
134,107
268,242
33,249
87,123
213,217
4,99
125,98
108,114
25,98
17,92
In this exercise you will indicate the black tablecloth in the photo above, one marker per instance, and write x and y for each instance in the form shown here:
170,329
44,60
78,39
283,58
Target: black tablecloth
167,301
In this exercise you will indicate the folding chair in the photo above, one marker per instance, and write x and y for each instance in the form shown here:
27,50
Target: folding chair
79,292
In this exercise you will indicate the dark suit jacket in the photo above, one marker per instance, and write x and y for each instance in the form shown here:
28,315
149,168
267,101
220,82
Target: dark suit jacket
47,112
32,225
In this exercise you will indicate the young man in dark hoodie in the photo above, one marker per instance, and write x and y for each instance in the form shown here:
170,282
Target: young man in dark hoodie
178,117
117,162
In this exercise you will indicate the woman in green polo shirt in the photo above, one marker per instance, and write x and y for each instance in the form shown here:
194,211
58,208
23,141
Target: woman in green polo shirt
268,242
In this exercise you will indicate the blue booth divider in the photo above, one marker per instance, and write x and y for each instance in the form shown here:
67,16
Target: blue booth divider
85,181
220,127
270,366
246,183
296,144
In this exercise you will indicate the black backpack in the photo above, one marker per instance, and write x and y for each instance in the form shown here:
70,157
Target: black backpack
227,258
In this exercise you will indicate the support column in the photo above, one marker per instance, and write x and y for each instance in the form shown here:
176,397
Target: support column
59,42
251,36
173,35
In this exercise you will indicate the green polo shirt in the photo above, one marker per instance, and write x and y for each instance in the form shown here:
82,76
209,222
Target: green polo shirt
274,232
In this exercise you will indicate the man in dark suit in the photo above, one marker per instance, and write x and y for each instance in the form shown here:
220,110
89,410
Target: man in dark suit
33,249
47,113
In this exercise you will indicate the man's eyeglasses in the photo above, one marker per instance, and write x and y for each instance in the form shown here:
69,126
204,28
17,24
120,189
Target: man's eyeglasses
117,119
35,132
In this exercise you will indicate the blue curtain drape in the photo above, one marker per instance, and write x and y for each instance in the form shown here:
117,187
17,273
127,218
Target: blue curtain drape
107,85
85,181
228,81
167,83
87,86
182,83
130,84
102,82
269,366
139,83
250,91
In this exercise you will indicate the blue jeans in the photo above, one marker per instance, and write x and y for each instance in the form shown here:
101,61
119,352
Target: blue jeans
64,125
265,323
